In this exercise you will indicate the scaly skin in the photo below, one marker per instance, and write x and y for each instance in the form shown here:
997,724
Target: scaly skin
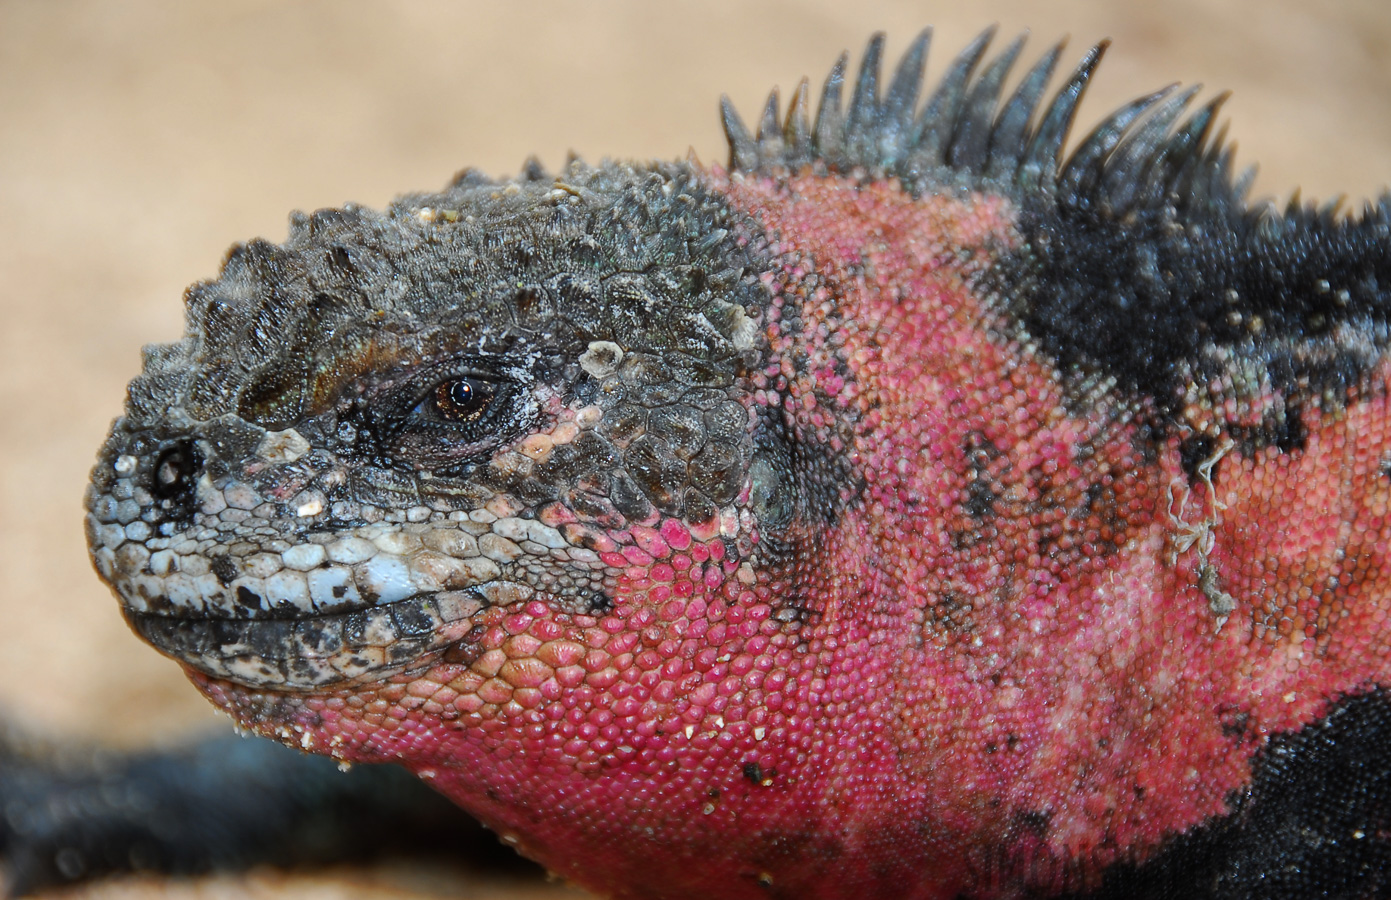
901,513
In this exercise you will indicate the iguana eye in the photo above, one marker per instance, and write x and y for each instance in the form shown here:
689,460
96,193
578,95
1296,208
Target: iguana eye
451,414
462,400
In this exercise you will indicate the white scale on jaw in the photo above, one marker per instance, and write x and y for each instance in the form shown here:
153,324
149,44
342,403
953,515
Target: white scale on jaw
325,573
381,597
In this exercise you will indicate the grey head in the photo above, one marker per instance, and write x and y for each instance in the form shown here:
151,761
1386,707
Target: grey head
394,420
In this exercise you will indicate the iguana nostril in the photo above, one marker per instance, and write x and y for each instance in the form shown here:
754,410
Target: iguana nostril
175,469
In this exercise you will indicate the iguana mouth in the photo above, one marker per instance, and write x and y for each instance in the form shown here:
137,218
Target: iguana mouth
312,651
245,585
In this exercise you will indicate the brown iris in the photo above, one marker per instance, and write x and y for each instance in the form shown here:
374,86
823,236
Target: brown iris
463,400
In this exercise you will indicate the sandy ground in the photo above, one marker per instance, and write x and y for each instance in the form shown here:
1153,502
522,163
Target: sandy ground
139,139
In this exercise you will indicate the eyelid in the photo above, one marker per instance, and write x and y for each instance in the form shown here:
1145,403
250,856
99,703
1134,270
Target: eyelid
412,435
429,386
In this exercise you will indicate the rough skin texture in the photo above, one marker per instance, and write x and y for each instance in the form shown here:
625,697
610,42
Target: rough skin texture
902,511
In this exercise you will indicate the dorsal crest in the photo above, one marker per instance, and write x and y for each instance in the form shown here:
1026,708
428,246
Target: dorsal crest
969,133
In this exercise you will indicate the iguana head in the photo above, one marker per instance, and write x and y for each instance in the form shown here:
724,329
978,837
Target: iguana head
398,425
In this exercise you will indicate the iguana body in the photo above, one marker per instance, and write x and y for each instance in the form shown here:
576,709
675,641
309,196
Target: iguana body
902,512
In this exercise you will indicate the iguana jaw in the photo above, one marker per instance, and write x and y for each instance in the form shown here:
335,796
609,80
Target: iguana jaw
317,651
271,570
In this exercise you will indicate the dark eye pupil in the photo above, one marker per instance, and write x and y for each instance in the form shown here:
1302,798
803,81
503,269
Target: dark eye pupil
463,394
461,399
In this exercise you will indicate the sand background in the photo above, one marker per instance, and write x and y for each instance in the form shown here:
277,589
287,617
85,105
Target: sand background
139,139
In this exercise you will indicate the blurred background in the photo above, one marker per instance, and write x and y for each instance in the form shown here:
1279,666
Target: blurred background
139,140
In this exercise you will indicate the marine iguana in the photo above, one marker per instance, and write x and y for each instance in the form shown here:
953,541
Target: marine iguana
906,509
